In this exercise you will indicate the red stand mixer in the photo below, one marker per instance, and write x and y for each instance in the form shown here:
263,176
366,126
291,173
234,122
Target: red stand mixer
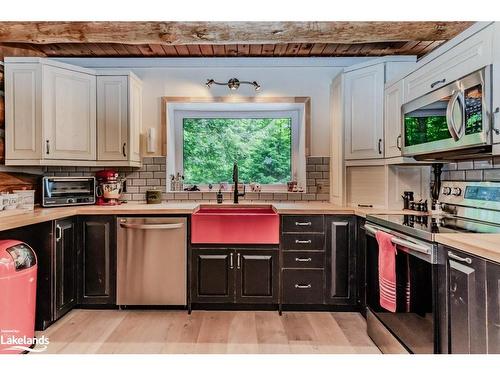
108,188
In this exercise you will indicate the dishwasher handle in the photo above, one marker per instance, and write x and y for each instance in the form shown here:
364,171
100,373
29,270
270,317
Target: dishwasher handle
152,226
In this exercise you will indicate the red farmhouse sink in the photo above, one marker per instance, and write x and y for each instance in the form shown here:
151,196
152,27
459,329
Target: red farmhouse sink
235,225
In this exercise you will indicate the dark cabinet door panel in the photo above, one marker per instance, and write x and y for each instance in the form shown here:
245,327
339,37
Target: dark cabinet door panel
341,260
493,303
467,303
257,280
303,286
65,267
98,260
212,278
303,241
303,259
301,224
361,264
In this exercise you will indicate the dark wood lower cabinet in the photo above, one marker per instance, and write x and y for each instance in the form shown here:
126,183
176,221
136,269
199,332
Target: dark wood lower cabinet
220,275
255,277
319,261
303,286
65,274
467,303
340,267
493,303
97,260
361,264
212,275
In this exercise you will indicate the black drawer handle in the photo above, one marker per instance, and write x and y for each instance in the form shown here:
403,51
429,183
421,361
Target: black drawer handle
303,259
302,286
438,82
304,224
300,241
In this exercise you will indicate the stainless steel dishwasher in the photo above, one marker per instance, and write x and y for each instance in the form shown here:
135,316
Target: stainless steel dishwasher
152,261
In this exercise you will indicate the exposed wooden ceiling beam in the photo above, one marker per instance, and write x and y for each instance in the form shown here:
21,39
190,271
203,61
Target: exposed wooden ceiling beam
179,33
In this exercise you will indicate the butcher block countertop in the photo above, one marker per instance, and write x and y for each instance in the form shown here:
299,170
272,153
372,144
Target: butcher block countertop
40,215
486,245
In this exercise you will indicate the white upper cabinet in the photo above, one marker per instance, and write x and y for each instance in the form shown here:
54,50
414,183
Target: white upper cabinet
364,113
112,117
119,117
466,57
69,114
392,119
60,114
496,85
23,109
135,118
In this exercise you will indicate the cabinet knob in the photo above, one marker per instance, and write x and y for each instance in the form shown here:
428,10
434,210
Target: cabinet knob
124,152
380,146
47,147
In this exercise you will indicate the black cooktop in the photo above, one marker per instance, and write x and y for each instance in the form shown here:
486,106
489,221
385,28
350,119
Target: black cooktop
425,226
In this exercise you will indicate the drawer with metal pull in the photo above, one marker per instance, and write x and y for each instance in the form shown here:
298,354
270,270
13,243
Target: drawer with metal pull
303,241
302,286
303,259
310,223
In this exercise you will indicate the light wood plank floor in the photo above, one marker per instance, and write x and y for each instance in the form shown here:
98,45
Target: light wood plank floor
153,331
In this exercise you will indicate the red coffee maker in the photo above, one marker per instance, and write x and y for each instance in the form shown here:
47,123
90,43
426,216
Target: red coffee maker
108,187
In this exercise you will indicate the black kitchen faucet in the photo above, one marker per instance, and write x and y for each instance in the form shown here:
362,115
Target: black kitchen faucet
236,194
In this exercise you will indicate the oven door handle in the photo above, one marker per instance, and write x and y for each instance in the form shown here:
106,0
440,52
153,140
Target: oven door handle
411,245
399,241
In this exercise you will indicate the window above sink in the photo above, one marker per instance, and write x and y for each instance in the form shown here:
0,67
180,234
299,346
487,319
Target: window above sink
267,140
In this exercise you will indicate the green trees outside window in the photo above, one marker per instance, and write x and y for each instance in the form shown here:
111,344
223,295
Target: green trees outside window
261,146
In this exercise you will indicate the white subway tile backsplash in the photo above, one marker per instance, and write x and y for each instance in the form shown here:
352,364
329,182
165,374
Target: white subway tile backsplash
462,165
153,175
474,175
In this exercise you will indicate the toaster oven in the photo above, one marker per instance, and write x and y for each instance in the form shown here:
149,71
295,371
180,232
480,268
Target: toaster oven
67,191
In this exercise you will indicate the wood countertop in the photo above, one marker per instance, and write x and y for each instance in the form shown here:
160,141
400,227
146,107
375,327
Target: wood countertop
485,245
40,215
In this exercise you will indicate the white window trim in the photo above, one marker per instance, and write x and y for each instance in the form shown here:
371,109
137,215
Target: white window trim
176,112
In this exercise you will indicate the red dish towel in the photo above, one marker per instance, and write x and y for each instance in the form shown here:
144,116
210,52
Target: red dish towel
386,270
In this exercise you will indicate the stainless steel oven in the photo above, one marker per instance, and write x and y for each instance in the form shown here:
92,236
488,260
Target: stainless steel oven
454,119
413,327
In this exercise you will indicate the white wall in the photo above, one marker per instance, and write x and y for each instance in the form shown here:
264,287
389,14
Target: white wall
278,77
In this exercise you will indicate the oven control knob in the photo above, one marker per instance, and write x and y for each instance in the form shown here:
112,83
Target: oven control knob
446,190
456,192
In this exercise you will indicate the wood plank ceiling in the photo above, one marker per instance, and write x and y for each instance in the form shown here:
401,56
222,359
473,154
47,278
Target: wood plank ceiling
227,39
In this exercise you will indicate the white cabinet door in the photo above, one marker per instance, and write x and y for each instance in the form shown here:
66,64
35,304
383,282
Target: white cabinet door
392,119
112,117
496,85
135,119
464,58
69,114
364,113
23,111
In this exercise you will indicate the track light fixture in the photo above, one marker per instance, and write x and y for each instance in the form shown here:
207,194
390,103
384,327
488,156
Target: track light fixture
232,84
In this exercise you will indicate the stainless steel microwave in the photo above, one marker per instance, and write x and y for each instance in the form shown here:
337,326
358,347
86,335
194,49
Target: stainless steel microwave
451,122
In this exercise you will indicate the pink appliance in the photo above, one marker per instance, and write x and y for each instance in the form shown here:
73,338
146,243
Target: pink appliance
18,268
